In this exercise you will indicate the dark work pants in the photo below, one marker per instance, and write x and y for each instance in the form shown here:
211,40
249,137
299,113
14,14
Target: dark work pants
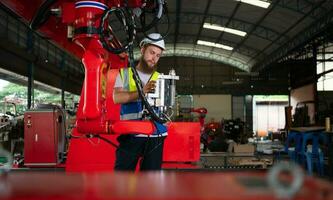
131,148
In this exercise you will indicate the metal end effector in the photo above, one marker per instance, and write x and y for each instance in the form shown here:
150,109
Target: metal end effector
165,92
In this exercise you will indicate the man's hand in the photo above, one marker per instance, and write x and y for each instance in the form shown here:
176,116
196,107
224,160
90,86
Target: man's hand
149,87
122,96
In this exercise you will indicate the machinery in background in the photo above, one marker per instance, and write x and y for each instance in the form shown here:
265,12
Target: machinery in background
301,117
235,130
184,105
212,136
215,137
6,124
202,115
325,110
44,136
11,128
203,136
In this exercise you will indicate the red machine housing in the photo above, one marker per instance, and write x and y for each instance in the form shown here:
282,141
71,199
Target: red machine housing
93,154
181,147
182,143
44,137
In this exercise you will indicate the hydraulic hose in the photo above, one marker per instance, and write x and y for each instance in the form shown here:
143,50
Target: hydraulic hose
127,20
42,15
142,96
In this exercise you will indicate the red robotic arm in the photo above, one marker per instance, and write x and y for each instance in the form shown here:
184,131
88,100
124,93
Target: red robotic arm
202,111
86,18
202,114
97,114
92,31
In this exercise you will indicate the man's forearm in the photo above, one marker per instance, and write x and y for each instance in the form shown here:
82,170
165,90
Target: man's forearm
122,96
125,96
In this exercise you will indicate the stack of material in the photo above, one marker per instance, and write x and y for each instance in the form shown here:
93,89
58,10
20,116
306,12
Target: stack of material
248,149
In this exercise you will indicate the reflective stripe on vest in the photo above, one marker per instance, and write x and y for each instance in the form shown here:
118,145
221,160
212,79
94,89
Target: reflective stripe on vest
132,110
129,83
131,116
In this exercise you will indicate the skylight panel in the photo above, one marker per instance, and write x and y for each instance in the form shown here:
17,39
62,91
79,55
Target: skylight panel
216,45
259,3
224,29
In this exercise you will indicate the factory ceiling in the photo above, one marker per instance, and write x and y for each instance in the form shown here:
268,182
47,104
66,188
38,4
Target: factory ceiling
228,37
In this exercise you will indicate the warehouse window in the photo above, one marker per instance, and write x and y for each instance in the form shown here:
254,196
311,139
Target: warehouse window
268,112
12,98
71,101
43,93
325,68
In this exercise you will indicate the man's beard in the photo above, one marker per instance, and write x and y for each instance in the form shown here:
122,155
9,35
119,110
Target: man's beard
145,67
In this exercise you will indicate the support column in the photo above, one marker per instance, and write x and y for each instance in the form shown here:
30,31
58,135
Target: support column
249,112
31,66
315,92
30,98
63,81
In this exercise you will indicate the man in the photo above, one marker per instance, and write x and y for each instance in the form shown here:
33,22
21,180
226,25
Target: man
133,147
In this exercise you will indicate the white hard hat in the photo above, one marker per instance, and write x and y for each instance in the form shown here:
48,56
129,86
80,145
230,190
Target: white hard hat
154,39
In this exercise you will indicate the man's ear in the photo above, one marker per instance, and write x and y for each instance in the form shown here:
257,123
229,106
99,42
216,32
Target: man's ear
143,50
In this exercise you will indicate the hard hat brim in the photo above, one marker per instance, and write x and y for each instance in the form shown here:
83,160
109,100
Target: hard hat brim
148,44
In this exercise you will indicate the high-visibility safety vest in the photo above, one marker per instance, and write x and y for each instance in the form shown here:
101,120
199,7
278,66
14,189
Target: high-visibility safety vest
133,110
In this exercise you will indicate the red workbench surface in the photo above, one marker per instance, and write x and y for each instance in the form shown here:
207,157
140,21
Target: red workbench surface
152,185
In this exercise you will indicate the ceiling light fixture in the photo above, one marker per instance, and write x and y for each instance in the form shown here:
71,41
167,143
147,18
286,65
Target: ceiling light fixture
259,3
216,45
224,29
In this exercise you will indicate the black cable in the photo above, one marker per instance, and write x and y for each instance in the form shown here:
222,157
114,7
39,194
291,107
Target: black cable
42,14
127,19
128,152
105,140
159,13
159,143
143,155
159,136
102,138
162,35
142,96
131,153
128,22
114,145
144,151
